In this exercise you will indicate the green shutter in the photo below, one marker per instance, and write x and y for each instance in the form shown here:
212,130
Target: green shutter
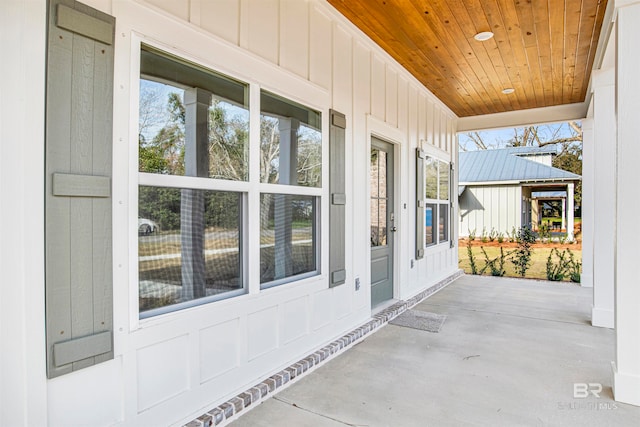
419,203
453,196
337,202
78,271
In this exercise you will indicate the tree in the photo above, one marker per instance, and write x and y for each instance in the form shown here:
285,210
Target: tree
161,150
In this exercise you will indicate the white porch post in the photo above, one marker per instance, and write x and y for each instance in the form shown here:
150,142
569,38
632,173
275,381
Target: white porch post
564,214
570,225
192,222
23,378
588,172
288,164
603,82
627,287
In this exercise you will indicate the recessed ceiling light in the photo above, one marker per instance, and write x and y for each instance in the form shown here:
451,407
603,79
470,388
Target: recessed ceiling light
483,36
508,90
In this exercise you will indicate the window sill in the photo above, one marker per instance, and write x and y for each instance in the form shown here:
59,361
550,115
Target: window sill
437,248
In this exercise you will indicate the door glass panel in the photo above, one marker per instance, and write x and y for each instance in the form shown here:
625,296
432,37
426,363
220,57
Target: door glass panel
378,183
382,221
375,233
375,176
382,174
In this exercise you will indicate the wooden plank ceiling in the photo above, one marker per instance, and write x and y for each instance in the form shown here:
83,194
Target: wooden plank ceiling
543,49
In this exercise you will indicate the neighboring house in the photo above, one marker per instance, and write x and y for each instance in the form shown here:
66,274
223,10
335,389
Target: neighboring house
505,189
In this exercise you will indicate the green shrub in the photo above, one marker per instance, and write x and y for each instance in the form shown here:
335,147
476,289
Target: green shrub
564,266
522,255
556,270
544,232
472,259
496,265
575,268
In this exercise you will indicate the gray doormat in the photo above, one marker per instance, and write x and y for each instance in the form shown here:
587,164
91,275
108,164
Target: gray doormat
422,320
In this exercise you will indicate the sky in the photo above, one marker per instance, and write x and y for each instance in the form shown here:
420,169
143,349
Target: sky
499,138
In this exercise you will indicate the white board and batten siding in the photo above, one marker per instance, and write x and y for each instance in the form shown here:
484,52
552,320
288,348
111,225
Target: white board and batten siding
489,208
173,367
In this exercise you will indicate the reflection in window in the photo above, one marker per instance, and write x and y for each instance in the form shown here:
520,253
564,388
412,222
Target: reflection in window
443,222
290,143
188,245
443,181
431,178
185,112
378,184
288,242
437,190
429,213
194,129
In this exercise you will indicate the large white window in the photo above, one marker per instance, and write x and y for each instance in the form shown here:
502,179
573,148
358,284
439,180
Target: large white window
437,193
291,157
194,186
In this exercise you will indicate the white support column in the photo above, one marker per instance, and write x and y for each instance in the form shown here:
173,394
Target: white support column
564,214
588,172
288,174
570,225
24,396
604,197
627,281
192,221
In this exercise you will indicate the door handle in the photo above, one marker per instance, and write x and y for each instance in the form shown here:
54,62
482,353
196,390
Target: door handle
394,229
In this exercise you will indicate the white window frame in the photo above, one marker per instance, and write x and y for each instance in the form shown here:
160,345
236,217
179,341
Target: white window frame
441,161
250,189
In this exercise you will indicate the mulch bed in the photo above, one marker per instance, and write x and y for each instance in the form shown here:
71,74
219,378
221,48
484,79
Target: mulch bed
505,244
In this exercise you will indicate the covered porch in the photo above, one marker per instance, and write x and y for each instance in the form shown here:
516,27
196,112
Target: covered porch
510,352
546,200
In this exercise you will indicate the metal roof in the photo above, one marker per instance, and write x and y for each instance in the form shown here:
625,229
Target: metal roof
549,194
528,150
505,165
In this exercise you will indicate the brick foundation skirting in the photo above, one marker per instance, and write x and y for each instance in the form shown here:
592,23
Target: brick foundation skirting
228,411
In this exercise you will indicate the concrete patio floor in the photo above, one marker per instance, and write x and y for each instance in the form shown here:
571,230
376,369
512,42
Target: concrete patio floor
508,354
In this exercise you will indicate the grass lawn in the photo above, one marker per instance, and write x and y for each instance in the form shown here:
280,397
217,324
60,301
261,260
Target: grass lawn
539,255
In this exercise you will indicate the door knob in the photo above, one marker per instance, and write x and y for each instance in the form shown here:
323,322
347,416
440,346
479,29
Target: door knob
394,229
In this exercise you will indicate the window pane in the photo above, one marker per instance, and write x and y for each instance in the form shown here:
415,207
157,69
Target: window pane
378,222
375,231
192,121
443,223
188,245
382,173
374,181
288,245
431,178
290,143
444,181
382,222
429,218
